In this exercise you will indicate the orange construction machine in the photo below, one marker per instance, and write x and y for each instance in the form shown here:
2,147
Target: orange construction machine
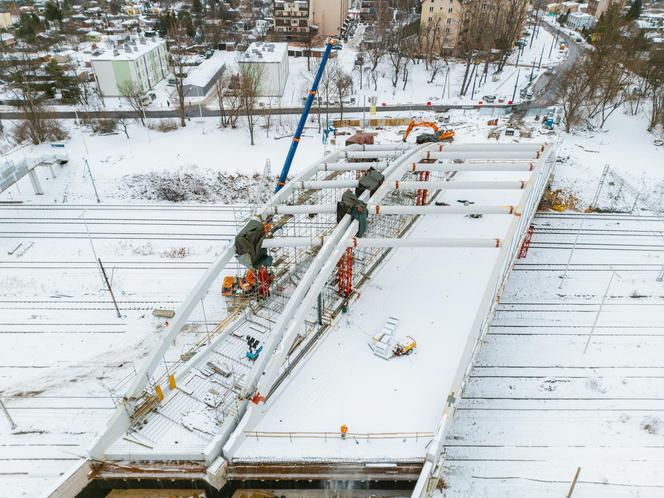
438,135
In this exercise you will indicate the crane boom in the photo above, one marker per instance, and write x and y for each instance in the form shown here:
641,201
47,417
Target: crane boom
330,44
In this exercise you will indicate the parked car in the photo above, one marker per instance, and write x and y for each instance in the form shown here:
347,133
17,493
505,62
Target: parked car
489,98
579,39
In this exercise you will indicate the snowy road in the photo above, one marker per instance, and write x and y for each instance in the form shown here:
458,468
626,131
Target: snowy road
570,372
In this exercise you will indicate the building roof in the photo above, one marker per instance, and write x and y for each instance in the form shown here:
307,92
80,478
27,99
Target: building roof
137,50
203,73
264,52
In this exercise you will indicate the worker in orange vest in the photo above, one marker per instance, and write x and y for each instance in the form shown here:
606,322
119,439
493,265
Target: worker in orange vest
344,431
248,283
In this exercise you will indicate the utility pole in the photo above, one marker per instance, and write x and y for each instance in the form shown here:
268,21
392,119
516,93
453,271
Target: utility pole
472,95
554,42
540,61
516,84
87,165
108,285
9,418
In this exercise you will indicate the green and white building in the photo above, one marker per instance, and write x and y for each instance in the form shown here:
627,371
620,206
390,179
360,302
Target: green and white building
143,61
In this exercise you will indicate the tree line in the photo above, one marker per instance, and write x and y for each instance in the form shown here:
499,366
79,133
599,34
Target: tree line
622,70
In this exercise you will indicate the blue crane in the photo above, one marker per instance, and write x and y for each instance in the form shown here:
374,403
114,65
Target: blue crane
330,44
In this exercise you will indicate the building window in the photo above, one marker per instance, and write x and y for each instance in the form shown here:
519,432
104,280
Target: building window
450,9
431,9
449,20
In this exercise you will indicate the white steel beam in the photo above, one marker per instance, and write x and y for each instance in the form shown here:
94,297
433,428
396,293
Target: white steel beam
383,242
371,154
410,185
491,146
405,210
484,154
497,166
345,166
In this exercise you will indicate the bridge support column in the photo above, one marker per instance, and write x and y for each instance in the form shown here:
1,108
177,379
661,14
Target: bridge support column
34,179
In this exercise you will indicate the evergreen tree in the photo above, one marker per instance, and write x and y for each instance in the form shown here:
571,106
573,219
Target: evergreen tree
53,13
63,81
28,27
634,11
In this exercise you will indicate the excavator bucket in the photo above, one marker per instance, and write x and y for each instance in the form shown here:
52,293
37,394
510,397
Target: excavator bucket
446,136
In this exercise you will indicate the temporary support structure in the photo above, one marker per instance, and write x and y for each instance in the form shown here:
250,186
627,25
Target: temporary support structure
423,176
417,185
345,273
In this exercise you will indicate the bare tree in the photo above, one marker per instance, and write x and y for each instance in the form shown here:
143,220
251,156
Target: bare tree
123,124
398,52
572,95
221,89
378,46
133,94
509,16
654,88
251,76
177,59
342,83
475,38
24,78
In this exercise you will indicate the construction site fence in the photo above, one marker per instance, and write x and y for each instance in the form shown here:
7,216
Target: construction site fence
337,435
373,122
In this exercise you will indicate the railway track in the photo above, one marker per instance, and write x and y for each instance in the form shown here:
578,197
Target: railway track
537,404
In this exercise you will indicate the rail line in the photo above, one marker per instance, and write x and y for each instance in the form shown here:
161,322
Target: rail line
536,401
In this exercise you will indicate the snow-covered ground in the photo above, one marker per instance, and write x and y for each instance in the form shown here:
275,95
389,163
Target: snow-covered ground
569,374
64,348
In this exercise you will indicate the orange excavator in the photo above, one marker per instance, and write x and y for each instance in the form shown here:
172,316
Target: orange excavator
438,135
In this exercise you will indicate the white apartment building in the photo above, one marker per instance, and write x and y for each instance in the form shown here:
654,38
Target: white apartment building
144,62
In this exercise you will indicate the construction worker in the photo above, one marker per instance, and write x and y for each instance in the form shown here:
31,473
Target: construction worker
344,431
248,282
264,281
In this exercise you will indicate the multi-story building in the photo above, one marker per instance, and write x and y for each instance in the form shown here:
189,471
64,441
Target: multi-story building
598,7
442,19
328,15
144,62
303,19
580,20
446,20
271,60
5,20
292,19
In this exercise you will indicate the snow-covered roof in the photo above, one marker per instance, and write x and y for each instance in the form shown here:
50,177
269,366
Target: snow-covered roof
264,52
138,49
644,24
203,73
